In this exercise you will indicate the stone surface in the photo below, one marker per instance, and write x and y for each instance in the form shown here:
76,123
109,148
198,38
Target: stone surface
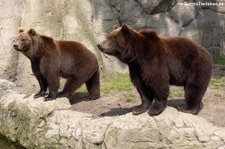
88,22
38,124
6,87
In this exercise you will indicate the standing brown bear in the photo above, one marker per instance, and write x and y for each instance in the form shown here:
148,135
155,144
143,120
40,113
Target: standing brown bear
51,59
155,62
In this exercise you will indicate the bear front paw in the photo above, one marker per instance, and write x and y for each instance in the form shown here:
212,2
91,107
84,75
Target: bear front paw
154,112
185,109
49,98
139,110
40,94
91,97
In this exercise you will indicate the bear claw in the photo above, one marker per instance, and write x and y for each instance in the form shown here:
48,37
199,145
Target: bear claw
49,98
39,95
139,110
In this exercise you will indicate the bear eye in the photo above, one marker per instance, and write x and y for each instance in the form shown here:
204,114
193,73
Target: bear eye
23,40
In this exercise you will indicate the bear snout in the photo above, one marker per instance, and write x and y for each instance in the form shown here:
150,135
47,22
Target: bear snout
15,46
100,47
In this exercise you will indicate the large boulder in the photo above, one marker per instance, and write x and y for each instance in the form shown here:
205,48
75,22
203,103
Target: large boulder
35,123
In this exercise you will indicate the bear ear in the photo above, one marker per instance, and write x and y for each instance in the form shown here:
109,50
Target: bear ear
125,29
32,31
115,27
21,30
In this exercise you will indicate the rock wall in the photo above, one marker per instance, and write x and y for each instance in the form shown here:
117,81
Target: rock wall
88,21
38,124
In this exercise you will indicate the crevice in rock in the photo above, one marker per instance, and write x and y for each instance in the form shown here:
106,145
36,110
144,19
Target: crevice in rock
140,6
190,21
154,10
114,7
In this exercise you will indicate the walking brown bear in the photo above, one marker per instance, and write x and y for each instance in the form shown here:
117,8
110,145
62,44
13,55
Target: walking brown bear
52,59
155,62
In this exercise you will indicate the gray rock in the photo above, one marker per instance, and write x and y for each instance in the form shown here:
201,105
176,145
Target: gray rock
89,22
207,29
163,25
6,87
38,124
183,14
155,6
9,23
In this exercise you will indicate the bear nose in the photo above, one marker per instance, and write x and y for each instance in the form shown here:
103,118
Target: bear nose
15,46
99,47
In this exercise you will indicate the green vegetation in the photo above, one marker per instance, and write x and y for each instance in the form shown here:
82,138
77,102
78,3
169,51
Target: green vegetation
219,60
130,98
217,82
119,82
218,94
176,93
83,88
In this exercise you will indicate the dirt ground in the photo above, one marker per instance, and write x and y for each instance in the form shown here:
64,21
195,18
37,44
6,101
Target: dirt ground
114,104
120,102
117,102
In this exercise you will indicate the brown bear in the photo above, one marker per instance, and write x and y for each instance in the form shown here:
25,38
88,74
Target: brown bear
52,59
155,62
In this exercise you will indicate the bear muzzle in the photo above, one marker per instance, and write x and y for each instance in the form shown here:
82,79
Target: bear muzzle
100,47
16,47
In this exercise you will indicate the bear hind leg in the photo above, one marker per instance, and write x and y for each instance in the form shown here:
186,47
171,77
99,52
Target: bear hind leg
71,85
193,99
93,86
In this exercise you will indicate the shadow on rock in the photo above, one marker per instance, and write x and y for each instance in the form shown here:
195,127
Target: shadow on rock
179,102
175,103
122,111
78,97
117,111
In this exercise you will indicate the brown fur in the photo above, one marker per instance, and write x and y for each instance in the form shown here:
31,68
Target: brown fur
155,62
51,59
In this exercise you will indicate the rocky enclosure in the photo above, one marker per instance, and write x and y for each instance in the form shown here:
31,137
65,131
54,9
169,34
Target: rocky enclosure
88,21
38,124
35,123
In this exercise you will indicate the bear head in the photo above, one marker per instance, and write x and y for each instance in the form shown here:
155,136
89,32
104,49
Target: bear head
25,42
120,43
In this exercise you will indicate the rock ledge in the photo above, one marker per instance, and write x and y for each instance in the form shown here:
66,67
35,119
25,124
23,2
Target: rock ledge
38,124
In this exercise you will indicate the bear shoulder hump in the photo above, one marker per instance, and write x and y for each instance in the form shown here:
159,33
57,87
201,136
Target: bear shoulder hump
150,33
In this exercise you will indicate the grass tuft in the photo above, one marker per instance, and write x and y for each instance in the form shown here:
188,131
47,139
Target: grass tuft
130,98
217,82
219,60
118,82
176,93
